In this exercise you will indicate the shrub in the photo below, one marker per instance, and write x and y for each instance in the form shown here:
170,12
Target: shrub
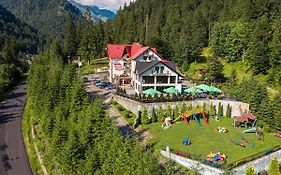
160,113
120,108
174,97
128,114
169,111
190,107
149,98
274,167
228,111
250,171
156,98
168,97
176,112
153,115
204,107
183,107
162,99
220,110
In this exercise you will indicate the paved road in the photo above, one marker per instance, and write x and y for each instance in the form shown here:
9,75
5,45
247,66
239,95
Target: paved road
93,92
13,158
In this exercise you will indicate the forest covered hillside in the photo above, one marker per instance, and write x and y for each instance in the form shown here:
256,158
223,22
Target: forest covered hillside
47,16
234,30
26,36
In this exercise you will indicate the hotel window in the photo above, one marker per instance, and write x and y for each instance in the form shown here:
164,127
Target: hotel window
173,79
162,79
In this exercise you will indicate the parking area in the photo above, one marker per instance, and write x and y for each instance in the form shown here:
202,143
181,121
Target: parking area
97,87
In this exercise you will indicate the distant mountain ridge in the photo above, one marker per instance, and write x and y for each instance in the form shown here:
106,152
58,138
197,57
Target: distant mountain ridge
46,16
96,12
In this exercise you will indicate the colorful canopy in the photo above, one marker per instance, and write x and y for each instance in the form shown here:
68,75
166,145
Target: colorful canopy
171,90
151,91
213,89
192,90
203,87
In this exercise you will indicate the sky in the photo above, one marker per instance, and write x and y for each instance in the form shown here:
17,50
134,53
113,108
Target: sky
113,5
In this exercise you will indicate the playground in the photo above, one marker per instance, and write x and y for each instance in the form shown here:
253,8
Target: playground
234,143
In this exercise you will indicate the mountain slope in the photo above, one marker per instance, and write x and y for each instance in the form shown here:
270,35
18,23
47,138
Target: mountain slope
96,12
47,16
11,26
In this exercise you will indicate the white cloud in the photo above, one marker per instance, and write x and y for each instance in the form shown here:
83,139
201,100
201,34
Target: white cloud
109,4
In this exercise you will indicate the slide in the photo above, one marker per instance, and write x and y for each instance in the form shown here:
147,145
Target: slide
177,119
198,122
238,143
205,118
242,137
253,129
186,121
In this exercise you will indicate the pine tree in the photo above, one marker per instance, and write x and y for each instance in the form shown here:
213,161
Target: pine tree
160,113
169,111
176,111
190,107
212,111
70,45
153,115
87,47
220,110
215,70
204,107
9,51
144,115
228,111
274,167
250,171
183,107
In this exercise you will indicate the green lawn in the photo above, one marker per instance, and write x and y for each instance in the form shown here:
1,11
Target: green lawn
206,138
91,68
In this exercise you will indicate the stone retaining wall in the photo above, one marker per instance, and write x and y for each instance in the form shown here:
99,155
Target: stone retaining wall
237,107
260,164
192,164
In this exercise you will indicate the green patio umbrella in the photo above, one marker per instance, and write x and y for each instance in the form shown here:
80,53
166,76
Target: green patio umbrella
171,90
151,91
192,90
213,89
203,87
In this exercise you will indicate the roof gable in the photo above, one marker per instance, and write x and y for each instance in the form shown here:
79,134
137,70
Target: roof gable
116,50
142,67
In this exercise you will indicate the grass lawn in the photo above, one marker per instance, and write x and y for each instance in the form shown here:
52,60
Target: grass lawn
124,113
206,138
91,68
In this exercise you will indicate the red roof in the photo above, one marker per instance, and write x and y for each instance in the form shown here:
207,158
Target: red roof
139,52
165,61
246,117
135,48
116,50
241,119
250,116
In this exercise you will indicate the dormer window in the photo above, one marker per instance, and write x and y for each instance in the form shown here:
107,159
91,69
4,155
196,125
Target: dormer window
162,69
157,69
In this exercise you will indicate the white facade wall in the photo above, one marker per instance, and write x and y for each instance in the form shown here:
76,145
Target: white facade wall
166,72
112,71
